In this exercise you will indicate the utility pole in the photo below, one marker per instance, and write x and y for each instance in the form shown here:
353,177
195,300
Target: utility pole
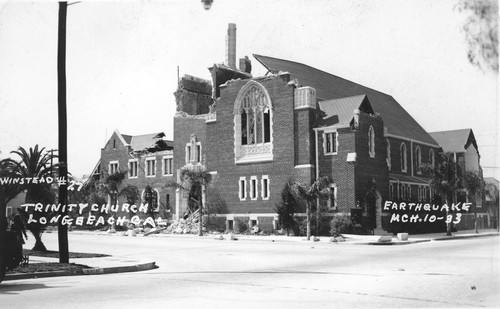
62,229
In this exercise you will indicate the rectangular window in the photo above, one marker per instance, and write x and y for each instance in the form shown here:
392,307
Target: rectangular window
8,211
242,188
168,166
188,154
332,198
113,167
132,169
265,187
253,187
151,167
198,152
330,143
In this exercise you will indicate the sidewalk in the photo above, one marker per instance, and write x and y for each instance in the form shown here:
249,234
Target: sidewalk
111,264
99,265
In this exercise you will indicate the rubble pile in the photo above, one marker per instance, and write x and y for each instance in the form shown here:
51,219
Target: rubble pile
184,226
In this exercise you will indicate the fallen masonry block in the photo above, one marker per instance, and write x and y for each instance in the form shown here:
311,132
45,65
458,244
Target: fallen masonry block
403,236
386,238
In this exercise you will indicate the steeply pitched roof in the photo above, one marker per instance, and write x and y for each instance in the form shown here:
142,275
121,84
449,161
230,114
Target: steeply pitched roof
341,111
454,140
328,86
150,142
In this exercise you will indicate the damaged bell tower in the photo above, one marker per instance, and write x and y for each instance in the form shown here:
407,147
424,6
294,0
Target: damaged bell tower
195,95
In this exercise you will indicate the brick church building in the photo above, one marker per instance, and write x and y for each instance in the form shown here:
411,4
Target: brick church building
253,134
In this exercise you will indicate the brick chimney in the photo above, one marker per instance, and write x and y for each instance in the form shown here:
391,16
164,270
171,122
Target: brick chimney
231,46
245,65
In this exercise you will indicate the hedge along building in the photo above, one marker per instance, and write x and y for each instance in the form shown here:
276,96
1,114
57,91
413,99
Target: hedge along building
299,123
148,161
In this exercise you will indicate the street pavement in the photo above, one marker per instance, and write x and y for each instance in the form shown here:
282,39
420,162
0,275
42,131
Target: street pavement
117,264
271,272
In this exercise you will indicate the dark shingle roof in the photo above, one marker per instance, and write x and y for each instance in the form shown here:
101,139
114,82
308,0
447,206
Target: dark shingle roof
454,140
328,86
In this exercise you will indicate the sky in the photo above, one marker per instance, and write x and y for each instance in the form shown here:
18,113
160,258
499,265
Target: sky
122,60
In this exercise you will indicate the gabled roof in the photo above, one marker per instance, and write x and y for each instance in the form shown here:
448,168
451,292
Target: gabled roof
328,86
341,111
152,142
454,140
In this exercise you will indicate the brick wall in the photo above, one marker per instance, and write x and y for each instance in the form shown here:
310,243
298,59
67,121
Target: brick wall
121,154
221,153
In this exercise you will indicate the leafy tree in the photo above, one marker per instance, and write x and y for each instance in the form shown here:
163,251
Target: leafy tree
195,182
491,192
286,209
446,179
474,184
35,163
310,194
481,32
111,187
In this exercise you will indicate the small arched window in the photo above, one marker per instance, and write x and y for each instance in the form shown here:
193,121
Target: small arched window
371,142
431,158
403,157
418,157
388,154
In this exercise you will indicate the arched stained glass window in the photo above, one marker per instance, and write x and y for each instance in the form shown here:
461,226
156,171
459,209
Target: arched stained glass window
253,124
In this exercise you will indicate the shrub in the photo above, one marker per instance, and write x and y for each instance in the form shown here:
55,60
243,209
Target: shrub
341,224
240,226
324,226
215,224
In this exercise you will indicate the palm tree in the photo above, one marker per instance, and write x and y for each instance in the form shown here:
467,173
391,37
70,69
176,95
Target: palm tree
446,179
474,184
196,182
311,194
111,187
35,163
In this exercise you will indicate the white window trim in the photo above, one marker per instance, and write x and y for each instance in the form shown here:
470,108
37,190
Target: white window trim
404,159
196,153
112,163
8,211
244,197
333,187
264,177
260,152
336,142
371,142
164,167
388,159
147,169
431,157
129,168
252,189
418,158
189,154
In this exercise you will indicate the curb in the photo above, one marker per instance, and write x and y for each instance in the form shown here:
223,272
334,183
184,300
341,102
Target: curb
465,236
85,271
119,269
